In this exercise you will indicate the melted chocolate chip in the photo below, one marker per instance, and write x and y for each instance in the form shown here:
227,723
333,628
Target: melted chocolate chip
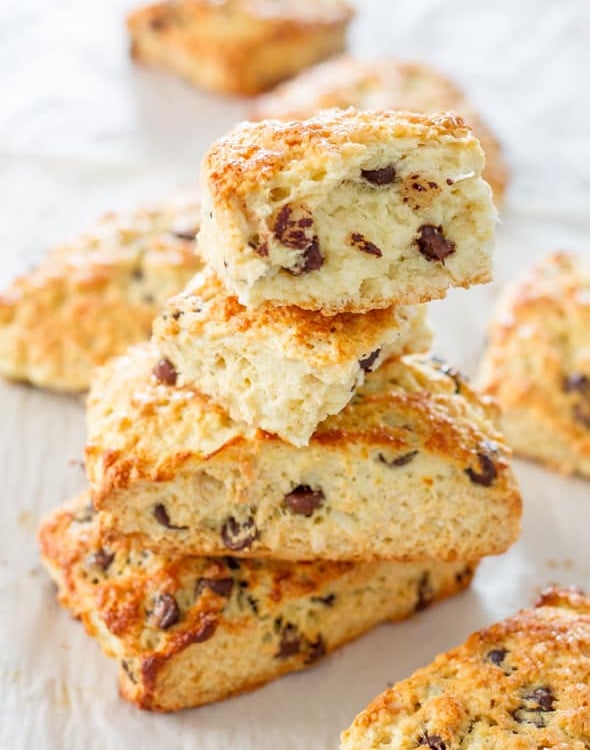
219,586
432,243
162,517
100,559
328,600
166,612
487,473
402,460
367,363
434,741
497,656
237,536
383,176
577,382
425,593
315,650
165,372
360,242
543,698
534,705
290,642
293,228
303,500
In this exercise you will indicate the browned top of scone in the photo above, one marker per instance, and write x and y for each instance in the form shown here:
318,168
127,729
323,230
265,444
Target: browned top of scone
522,683
256,152
206,309
143,429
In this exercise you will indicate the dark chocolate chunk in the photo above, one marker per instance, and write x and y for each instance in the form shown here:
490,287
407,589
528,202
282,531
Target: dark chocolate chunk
425,593
315,650
290,642
432,243
100,559
577,382
293,228
360,242
304,500
165,372
487,473
402,460
327,600
383,176
219,586
237,536
166,612
497,655
367,363
434,741
162,517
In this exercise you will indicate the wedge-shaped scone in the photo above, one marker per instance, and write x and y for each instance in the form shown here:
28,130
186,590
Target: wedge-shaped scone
238,46
538,363
348,211
191,630
521,684
91,299
413,468
385,83
281,369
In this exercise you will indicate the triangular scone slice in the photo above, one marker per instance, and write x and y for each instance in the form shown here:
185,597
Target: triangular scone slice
282,369
91,299
385,83
191,630
521,684
413,468
348,211
238,47
537,364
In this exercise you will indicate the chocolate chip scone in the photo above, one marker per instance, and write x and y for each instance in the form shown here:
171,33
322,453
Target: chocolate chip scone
413,468
191,630
281,369
521,684
238,46
348,211
89,300
346,81
538,363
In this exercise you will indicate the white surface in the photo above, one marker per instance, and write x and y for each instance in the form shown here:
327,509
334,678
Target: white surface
82,131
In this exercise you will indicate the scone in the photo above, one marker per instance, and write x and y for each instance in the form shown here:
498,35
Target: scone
346,81
413,468
91,299
521,684
191,630
283,369
348,211
538,363
238,46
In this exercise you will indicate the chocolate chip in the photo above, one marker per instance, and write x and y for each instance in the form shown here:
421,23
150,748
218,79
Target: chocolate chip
383,176
576,382
158,23
127,670
184,232
257,246
219,586
497,656
432,243
463,576
360,242
165,372
450,182
166,612
425,593
315,650
487,473
294,229
137,274
543,697
162,517
534,705
100,559
402,460
581,414
304,500
290,642
367,363
237,536
232,563
452,372
433,741
176,314
327,600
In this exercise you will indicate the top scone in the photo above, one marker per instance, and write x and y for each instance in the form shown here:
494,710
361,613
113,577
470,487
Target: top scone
348,211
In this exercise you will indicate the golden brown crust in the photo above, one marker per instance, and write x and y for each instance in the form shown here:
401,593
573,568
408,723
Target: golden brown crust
537,363
346,81
522,683
90,299
189,630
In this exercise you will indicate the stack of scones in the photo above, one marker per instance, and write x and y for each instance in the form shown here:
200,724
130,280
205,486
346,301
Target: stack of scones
284,466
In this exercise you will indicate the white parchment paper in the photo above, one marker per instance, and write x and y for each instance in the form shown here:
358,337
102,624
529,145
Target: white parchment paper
82,131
